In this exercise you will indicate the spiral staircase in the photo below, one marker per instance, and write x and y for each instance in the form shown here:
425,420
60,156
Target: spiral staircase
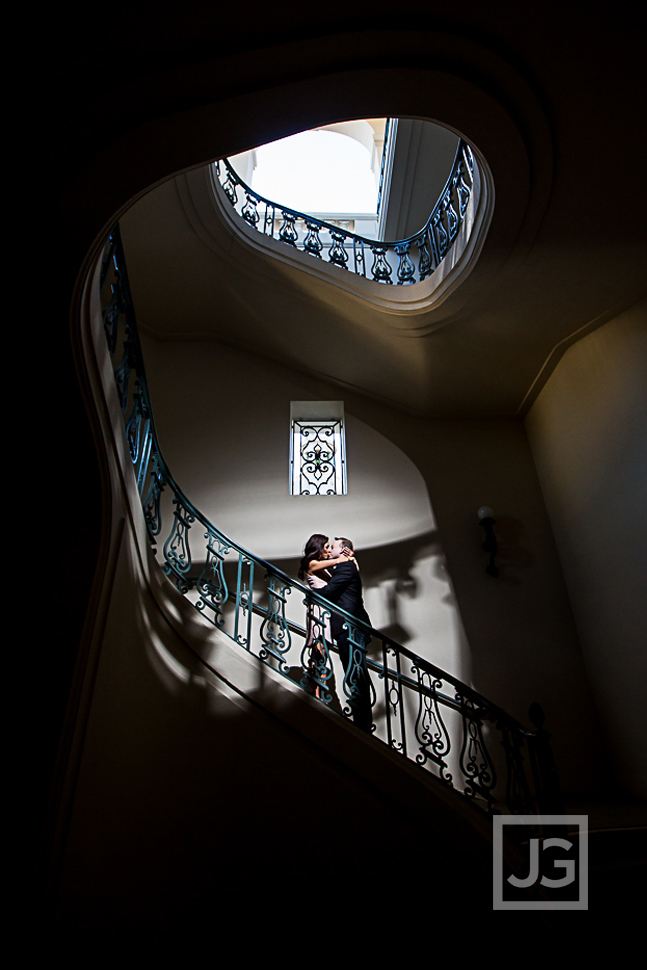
195,770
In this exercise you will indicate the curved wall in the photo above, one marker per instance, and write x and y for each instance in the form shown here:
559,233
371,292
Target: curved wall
223,420
132,107
521,635
190,750
588,433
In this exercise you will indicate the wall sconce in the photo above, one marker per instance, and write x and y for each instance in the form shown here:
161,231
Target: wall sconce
487,521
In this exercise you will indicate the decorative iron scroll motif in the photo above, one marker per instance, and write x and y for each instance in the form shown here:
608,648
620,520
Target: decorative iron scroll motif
288,233
462,189
358,256
249,212
114,305
151,502
315,655
177,551
425,261
407,260
317,458
242,633
212,584
423,713
312,243
275,633
230,187
357,685
440,235
393,701
476,764
134,428
112,313
431,732
268,221
123,372
406,269
337,253
381,269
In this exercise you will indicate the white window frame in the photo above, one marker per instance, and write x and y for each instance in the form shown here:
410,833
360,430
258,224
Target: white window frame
322,423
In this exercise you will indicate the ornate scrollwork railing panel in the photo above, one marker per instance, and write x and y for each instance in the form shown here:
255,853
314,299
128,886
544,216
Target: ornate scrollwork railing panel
403,262
315,658
417,710
392,702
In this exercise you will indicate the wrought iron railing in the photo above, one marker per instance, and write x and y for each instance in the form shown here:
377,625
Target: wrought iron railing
417,709
406,261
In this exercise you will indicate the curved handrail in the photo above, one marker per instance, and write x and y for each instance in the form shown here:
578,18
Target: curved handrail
411,260
424,713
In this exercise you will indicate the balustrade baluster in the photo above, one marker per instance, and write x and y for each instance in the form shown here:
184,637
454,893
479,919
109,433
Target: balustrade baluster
177,549
406,269
441,235
288,233
212,584
312,243
152,501
475,761
453,221
275,632
230,188
394,699
463,191
315,655
337,253
146,447
425,264
433,242
268,221
249,211
244,594
431,731
358,256
381,270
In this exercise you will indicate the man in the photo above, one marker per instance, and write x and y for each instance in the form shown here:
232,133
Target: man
345,590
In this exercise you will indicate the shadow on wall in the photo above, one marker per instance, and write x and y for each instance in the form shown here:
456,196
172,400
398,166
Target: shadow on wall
409,597
198,665
512,555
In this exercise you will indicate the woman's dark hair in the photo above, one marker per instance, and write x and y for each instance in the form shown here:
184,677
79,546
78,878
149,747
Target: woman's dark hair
314,550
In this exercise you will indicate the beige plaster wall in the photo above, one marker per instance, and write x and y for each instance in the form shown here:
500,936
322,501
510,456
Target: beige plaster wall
588,433
512,638
200,781
223,419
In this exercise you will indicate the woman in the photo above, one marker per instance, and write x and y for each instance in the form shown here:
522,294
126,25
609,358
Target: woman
313,568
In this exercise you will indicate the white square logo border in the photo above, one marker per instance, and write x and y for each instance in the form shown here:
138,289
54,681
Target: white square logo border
581,838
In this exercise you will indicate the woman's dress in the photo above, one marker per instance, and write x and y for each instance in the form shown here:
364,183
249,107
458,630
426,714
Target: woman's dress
316,628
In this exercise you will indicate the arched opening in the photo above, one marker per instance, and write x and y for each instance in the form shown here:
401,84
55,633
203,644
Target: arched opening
416,215
331,171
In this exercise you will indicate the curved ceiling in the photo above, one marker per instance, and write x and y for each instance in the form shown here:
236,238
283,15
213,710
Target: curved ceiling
418,203
542,278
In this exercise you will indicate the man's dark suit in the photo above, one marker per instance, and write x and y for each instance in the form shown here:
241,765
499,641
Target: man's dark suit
345,589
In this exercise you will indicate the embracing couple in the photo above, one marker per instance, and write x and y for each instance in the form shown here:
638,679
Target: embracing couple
330,568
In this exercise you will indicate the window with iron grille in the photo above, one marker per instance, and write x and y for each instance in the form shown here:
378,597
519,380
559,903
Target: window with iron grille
317,448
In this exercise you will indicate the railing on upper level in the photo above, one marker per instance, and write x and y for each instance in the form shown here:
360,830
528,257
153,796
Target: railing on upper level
417,709
406,261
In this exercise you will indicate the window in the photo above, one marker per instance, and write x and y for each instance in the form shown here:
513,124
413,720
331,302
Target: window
333,171
317,448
